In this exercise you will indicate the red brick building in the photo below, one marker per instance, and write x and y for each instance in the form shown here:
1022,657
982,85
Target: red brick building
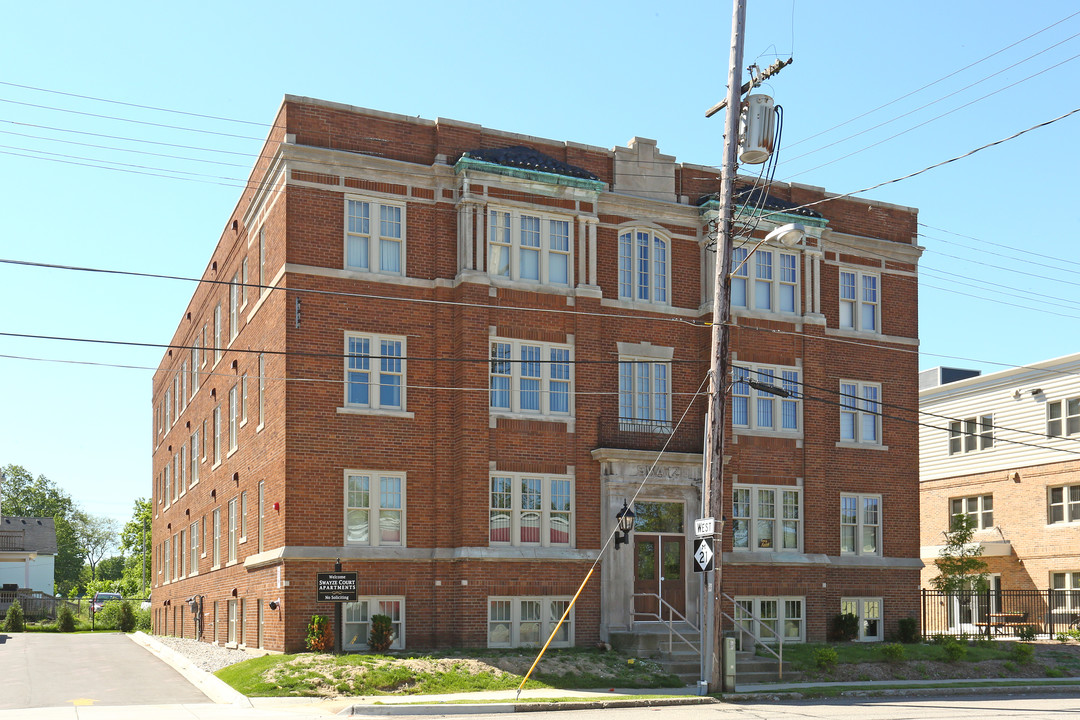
446,354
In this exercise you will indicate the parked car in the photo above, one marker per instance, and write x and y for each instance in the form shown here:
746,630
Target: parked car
145,604
101,598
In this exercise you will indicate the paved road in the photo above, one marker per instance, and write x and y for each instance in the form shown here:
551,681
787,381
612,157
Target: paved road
39,670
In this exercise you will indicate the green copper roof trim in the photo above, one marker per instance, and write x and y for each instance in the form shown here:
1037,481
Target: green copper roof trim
465,163
777,215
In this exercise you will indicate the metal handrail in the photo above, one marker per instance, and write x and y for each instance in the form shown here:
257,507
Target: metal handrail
668,621
760,623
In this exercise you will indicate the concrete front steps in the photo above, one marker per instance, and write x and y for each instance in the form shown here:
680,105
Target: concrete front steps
651,640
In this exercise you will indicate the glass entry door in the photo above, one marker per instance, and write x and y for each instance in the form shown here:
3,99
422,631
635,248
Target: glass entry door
659,573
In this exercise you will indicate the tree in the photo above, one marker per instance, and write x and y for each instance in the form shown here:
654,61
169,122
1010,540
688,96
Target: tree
27,496
135,545
97,535
961,568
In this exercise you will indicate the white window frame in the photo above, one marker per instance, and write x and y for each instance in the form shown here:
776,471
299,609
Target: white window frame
644,277
374,237
244,283
748,507
860,308
217,435
353,616
867,609
234,307
262,391
243,399
971,434
217,333
748,405
217,538
380,366
862,523
234,412
551,609
194,474
644,394
243,516
860,412
262,515
749,607
555,378
1063,415
193,556
1061,510
234,544
553,507
768,282
980,507
376,505
1066,595
505,230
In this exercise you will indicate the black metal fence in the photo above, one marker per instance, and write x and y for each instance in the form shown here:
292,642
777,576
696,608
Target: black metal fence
1000,613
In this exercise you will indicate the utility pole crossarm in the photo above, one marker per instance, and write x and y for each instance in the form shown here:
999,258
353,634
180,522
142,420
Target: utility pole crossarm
751,84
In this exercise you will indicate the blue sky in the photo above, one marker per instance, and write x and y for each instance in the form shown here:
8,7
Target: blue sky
999,277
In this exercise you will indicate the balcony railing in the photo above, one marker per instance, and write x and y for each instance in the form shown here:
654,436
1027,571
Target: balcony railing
12,541
654,435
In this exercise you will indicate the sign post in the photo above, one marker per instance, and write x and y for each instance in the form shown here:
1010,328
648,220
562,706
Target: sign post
336,587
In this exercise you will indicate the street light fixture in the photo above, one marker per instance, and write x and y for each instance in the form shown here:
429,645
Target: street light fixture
791,234
625,519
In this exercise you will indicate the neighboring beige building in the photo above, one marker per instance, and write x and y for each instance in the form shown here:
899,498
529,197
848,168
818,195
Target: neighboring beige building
1005,447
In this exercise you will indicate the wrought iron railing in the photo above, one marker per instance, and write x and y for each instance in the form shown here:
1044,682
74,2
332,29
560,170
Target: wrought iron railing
669,619
999,613
778,653
654,435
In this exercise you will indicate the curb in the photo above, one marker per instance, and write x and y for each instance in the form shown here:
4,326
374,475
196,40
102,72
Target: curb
914,691
215,689
519,707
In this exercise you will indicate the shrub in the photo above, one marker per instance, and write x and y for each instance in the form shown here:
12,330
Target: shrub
939,639
1074,633
826,658
844,627
954,651
319,637
65,620
1023,653
1027,633
1054,672
125,620
893,652
1009,665
908,630
382,633
1062,637
14,620
142,620
108,617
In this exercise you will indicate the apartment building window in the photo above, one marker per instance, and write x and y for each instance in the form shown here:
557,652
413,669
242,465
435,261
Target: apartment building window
176,397
374,508
217,333
766,518
1064,504
771,618
531,510
262,512
193,557
767,282
381,390
532,378
168,410
243,516
374,236
979,507
753,406
530,246
971,434
868,610
234,544
168,577
167,484
644,266
234,418
234,306
357,621
195,368
860,524
1063,413
1066,595
262,389
860,412
859,305
243,399
183,385
217,435
230,609
262,260
181,469
528,621
217,537
644,394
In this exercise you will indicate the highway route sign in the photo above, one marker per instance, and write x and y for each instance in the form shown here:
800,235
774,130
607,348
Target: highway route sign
703,555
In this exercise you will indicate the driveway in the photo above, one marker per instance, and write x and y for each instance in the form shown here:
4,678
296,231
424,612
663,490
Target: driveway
58,670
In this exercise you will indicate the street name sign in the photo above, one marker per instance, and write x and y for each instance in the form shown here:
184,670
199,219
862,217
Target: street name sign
704,526
336,586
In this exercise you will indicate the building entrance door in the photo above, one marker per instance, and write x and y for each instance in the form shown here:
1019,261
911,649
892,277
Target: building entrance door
659,575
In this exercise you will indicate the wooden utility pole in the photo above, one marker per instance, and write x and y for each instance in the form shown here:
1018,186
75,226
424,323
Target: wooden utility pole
714,446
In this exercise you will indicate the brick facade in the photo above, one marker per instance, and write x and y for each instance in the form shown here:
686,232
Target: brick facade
302,436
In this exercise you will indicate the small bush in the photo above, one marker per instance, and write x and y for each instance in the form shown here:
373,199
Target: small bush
108,617
826,658
1062,637
14,620
939,639
142,620
1023,653
984,642
382,633
1054,672
893,652
1027,633
65,620
844,627
954,651
319,637
125,621
1074,633
908,631
1009,665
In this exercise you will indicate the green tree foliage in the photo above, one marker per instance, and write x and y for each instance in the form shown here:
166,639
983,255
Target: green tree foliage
382,633
14,620
97,535
65,620
27,496
111,568
132,546
961,568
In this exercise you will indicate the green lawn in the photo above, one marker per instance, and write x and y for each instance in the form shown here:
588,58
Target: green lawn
801,655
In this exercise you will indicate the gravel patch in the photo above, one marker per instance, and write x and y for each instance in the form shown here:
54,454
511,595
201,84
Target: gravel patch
204,655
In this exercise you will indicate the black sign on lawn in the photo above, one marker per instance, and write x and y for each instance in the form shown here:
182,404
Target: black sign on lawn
336,587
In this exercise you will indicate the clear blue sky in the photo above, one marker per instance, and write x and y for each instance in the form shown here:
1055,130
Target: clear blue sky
591,72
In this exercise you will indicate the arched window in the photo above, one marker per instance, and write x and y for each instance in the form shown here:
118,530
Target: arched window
644,266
